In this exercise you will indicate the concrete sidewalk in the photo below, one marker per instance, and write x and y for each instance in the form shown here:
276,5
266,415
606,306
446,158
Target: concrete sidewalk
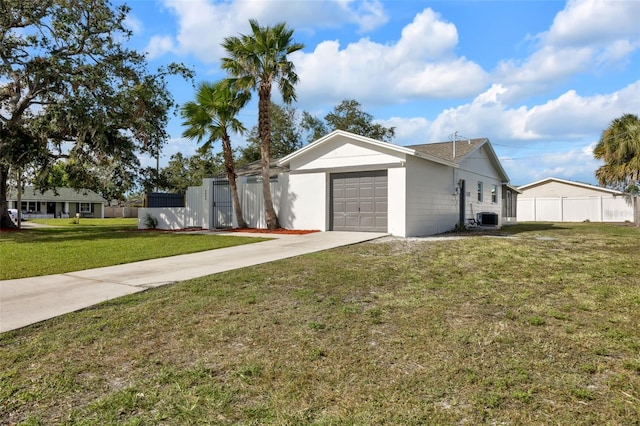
30,300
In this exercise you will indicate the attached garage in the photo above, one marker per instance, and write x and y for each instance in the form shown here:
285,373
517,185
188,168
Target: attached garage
358,201
347,182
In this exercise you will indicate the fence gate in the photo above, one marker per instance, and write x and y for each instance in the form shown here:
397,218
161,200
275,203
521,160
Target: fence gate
222,204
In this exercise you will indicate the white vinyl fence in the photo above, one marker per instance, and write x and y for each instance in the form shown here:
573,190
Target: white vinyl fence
576,209
209,206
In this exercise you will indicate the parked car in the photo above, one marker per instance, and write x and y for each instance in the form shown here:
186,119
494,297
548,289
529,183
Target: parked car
13,215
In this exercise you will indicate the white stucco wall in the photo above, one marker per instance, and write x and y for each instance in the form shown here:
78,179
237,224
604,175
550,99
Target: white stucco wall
432,207
168,217
308,202
478,168
397,201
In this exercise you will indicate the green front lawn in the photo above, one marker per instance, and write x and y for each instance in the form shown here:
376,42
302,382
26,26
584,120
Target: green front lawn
115,221
95,243
537,326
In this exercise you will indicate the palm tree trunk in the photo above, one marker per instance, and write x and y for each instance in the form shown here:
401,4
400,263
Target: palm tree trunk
231,176
264,128
5,222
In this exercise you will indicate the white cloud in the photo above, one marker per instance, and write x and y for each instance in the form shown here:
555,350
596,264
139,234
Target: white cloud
421,64
574,164
569,116
408,131
203,24
133,23
589,22
158,46
368,15
584,36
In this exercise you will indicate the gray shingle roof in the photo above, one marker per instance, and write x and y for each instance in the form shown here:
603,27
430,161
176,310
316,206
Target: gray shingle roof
444,150
63,195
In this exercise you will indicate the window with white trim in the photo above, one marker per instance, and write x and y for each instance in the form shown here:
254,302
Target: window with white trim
479,192
494,194
29,206
85,207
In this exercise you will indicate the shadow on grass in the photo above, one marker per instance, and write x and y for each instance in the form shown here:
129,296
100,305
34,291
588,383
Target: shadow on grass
60,235
531,227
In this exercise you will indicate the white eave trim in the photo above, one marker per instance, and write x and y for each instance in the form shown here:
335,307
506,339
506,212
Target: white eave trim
386,145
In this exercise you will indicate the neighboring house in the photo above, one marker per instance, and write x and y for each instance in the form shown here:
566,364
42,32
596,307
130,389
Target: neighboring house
346,182
558,200
61,202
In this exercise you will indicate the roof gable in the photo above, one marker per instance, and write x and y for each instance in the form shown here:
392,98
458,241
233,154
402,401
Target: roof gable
372,143
460,150
569,182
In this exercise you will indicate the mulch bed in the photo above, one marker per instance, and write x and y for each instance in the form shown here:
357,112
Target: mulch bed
274,231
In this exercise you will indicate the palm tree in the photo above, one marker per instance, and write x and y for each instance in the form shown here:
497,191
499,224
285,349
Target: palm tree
619,148
211,116
257,61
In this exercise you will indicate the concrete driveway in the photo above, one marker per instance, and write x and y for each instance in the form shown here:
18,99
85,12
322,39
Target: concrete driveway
30,300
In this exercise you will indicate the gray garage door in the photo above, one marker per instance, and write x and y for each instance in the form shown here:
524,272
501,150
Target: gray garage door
359,201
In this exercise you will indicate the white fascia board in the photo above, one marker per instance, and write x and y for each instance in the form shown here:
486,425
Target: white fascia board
386,145
494,159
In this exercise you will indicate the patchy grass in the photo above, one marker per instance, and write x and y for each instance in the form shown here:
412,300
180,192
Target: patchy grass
539,328
44,251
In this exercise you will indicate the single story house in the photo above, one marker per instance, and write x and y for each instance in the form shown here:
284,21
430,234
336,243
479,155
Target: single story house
59,202
347,182
559,200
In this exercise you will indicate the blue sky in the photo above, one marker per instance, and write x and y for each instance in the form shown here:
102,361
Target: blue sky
540,79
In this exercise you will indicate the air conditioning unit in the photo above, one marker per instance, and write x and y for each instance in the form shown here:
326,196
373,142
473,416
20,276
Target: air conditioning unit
487,218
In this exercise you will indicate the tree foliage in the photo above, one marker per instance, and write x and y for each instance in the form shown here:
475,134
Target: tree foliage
286,135
69,88
210,118
257,61
349,116
619,148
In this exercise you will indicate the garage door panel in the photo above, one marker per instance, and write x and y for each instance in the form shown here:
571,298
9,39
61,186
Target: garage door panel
367,222
359,201
351,192
381,222
366,207
380,192
352,221
366,192
351,207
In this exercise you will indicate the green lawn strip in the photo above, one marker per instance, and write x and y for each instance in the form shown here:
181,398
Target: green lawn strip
82,222
537,329
45,251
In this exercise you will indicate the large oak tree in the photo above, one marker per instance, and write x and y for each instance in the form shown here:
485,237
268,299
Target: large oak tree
70,88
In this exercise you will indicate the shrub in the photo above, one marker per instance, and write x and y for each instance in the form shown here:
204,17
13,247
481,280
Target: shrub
150,221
